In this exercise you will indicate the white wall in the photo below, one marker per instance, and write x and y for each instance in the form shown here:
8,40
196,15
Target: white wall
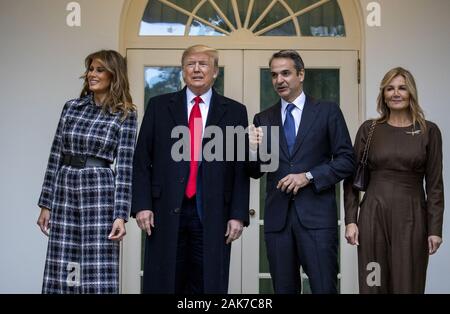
41,59
414,34
41,62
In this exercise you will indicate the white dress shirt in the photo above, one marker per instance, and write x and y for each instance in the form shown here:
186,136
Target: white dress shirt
204,105
299,103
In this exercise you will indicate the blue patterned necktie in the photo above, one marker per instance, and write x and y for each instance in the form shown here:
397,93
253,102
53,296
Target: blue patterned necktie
289,127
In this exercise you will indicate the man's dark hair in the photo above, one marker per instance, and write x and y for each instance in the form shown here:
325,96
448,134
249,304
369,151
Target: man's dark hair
289,54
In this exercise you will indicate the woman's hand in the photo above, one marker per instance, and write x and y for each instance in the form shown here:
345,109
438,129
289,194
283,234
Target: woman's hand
434,242
351,234
118,230
43,220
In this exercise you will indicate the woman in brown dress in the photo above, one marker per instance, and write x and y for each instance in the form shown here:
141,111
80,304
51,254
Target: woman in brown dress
400,222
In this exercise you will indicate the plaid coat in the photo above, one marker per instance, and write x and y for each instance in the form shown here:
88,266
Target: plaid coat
85,202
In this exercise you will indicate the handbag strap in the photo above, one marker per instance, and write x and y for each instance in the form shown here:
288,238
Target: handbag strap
369,139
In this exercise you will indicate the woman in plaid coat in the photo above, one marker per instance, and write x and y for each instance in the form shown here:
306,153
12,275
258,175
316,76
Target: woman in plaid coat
84,203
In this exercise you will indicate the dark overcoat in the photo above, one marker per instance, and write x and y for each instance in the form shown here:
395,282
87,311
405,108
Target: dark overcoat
159,184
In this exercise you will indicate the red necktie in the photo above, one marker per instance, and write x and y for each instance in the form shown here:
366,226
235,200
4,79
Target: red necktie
195,131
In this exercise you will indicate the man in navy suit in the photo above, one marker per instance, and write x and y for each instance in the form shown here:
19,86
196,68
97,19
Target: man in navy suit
315,153
190,209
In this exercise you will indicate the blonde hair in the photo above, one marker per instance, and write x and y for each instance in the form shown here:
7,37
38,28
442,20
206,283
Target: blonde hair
414,107
211,52
118,98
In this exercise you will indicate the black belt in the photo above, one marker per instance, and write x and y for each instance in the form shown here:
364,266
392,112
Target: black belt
79,161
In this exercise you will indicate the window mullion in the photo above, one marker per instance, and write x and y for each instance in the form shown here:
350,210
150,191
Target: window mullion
222,15
249,13
237,17
263,15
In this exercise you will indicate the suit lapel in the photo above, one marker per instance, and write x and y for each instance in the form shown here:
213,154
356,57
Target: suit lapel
275,118
178,108
178,111
308,116
216,110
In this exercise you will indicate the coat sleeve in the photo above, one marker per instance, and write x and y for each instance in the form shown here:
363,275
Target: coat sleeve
124,166
351,195
53,165
434,183
142,164
342,163
241,185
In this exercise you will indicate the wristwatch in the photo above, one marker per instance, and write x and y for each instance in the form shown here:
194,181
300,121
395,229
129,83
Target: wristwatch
309,176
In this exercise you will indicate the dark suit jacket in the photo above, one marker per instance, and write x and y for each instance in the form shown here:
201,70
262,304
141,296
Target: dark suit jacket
324,148
159,184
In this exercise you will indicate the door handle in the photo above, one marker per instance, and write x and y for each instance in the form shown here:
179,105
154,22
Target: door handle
252,212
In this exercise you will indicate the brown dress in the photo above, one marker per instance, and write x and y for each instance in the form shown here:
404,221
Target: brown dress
396,213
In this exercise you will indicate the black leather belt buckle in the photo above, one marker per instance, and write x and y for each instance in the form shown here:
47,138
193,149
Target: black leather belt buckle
78,161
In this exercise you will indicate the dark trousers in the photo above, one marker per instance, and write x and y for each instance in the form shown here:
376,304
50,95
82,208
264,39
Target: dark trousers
189,267
313,249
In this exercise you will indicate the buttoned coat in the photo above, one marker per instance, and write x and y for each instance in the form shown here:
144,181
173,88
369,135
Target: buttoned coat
84,202
159,184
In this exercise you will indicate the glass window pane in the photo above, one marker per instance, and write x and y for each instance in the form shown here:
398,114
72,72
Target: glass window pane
188,5
208,13
219,84
267,96
263,261
227,8
161,80
324,21
243,8
200,29
258,8
159,19
297,5
322,84
168,79
286,29
278,12
265,286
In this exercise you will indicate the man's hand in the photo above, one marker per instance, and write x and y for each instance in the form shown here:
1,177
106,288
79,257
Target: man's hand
255,136
145,221
118,230
351,234
234,230
434,242
293,182
43,220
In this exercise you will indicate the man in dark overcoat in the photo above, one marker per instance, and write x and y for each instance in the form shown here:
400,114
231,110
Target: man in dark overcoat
190,189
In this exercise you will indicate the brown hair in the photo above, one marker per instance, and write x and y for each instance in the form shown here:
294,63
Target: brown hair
211,52
414,107
289,54
118,98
